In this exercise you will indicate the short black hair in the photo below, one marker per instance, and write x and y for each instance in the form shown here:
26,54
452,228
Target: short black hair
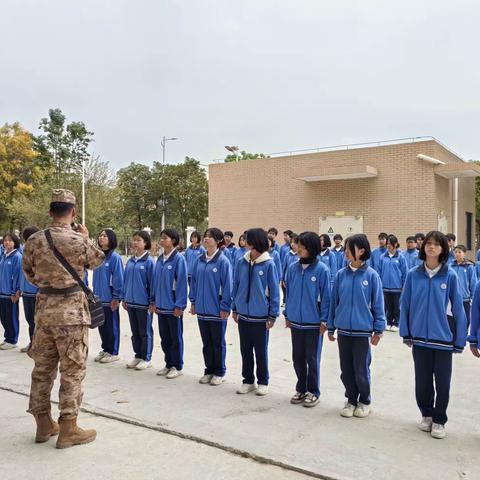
112,238
360,241
14,238
411,238
294,238
196,235
439,238
228,233
29,231
451,236
393,240
60,209
311,241
326,240
216,234
337,236
273,230
288,232
383,235
173,234
257,238
463,248
146,238
419,236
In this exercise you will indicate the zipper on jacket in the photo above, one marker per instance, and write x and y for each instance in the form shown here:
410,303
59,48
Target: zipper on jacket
351,304
301,294
250,272
428,305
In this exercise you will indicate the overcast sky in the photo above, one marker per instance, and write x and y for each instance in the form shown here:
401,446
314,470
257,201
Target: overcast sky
266,75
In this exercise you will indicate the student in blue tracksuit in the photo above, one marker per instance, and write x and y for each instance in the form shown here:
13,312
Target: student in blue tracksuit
256,305
10,268
29,293
229,249
108,286
306,314
193,253
451,238
467,277
411,253
275,256
326,256
169,299
241,250
338,250
392,268
285,248
272,234
419,239
211,299
474,336
433,321
137,287
357,313
377,253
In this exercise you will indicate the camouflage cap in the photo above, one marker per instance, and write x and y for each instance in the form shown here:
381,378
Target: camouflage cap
64,196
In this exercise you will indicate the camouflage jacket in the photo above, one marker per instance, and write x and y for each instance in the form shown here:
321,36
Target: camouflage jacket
42,269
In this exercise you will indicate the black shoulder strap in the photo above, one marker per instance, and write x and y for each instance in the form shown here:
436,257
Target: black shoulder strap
66,265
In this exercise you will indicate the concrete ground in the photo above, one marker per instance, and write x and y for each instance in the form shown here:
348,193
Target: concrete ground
178,428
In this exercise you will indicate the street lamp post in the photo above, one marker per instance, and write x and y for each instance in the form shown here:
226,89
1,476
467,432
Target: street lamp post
164,143
234,150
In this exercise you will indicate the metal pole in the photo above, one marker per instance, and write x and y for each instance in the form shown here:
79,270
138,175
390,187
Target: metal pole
83,192
163,180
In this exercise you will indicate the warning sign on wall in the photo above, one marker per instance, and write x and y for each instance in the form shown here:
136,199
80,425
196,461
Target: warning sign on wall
345,226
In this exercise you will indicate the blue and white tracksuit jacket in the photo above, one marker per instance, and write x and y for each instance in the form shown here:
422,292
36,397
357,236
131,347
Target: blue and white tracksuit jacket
191,257
467,278
393,271
108,279
10,274
137,281
328,258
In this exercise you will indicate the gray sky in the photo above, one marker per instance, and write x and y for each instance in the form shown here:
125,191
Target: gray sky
266,75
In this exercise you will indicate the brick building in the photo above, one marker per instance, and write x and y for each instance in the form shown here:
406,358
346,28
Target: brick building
401,188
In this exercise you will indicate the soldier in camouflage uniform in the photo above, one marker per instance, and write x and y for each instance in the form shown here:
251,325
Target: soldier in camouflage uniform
62,319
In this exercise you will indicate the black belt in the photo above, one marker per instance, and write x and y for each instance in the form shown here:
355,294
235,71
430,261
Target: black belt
59,291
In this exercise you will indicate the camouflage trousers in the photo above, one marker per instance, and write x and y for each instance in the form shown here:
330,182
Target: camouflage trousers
67,347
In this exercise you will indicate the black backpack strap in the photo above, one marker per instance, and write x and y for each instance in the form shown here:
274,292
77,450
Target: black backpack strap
66,265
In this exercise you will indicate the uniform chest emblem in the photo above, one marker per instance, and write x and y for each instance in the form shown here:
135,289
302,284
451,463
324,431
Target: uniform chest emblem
365,283
314,279
215,270
169,267
142,267
443,286
9,262
260,272
107,264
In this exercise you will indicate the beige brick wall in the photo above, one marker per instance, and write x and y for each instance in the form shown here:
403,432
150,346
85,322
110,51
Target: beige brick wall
406,196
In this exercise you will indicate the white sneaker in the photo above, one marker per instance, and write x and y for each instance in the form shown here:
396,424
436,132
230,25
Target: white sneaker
25,348
438,430
216,380
394,328
162,372
262,390
205,379
143,365
100,355
7,346
133,362
174,373
246,388
109,358
425,425
362,410
348,410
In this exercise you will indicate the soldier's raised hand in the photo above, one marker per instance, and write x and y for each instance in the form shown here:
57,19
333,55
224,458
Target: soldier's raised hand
83,230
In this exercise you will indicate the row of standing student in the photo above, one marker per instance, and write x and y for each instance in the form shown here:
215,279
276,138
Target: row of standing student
353,309
13,286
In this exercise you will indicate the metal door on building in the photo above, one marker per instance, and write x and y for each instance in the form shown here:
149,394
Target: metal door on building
345,226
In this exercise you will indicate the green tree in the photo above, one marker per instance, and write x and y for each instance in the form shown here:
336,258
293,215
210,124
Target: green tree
135,198
21,172
244,156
